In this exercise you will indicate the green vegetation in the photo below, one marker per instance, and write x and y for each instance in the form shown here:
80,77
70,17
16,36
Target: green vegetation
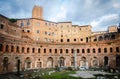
60,75
12,20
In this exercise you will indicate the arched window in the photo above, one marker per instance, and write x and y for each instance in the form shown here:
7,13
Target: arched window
83,51
100,38
93,50
55,50
33,50
17,49
50,50
72,50
22,24
78,50
39,50
117,49
111,50
99,50
106,37
12,48
88,50
44,50
7,48
68,40
74,39
61,40
23,49
28,50
112,36
1,26
105,50
61,51
66,50
86,39
106,61
1,47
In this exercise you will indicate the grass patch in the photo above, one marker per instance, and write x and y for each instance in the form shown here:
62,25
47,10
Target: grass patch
60,75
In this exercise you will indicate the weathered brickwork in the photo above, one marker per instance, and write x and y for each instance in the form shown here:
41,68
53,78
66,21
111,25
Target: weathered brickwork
39,43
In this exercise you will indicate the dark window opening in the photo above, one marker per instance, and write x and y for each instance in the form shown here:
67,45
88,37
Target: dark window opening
93,50
61,40
33,50
55,50
68,40
78,51
72,50
61,51
105,50
117,49
23,49
17,50
99,50
39,50
111,50
1,47
74,39
28,50
7,48
12,48
83,51
66,50
44,50
88,50
50,50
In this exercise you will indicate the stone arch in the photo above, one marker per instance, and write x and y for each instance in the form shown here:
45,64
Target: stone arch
39,63
72,61
106,61
61,61
28,63
95,62
5,64
118,61
84,62
100,38
1,47
50,62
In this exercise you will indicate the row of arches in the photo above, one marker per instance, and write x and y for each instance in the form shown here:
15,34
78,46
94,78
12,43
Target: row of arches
61,62
9,48
104,37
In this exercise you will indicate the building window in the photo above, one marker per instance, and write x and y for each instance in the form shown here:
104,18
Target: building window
105,50
33,50
88,50
12,48
68,40
37,31
28,50
39,50
74,39
72,50
28,31
93,50
1,47
50,50
111,50
55,50
99,50
83,51
23,49
17,49
78,51
44,50
22,24
61,51
81,39
66,50
117,49
1,26
61,40
7,48
28,23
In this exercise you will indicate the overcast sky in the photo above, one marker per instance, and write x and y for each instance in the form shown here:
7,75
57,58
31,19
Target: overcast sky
98,13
